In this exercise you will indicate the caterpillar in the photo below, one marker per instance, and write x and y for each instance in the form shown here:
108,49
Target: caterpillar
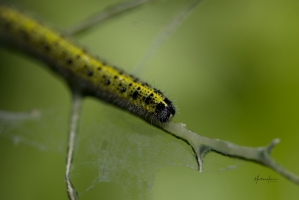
81,70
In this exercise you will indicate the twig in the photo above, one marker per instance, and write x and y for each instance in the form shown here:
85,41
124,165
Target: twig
203,145
104,15
170,28
72,141
33,114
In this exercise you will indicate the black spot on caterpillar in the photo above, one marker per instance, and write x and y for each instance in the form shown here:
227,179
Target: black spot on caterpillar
83,71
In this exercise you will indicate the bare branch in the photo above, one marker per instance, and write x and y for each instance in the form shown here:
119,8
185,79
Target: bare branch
203,145
72,141
166,32
33,114
104,15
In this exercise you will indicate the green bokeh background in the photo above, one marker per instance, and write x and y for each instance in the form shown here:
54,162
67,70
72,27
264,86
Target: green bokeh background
232,68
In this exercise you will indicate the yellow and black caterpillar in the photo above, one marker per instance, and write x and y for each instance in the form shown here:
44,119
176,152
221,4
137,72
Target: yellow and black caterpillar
81,70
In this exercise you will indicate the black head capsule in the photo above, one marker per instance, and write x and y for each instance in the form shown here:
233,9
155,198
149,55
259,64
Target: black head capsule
165,112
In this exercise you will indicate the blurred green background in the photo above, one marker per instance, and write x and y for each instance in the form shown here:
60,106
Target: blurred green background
231,67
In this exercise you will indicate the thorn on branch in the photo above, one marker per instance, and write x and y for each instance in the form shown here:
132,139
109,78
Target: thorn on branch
272,145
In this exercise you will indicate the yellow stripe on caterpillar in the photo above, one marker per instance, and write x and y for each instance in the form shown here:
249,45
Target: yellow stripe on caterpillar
82,70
